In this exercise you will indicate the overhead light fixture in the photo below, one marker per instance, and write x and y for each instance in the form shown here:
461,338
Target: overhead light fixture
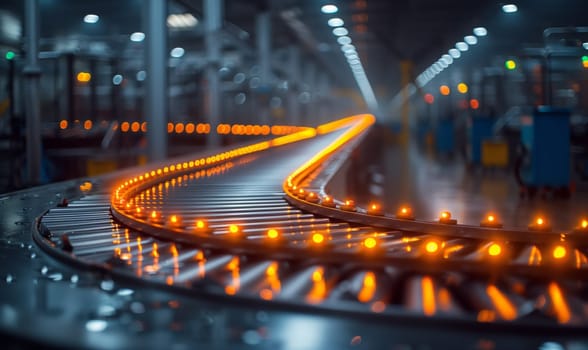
344,40
480,31
177,52
91,18
443,63
348,48
447,58
329,8
335,22
585,45
351,55
455,53
353,62
340,31
471,40
509,8
461,46
181,20
137,37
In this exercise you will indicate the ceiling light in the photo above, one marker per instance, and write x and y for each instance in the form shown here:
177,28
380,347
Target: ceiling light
177,52
348,48
443,63
344,40
330,8
509,8
447,58
340,31
181,20
461,46
91,18
480,31
471,40
137,37
455,53
353,62
585,45
335,22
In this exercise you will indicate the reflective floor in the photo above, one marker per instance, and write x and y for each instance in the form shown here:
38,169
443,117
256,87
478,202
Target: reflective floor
398,175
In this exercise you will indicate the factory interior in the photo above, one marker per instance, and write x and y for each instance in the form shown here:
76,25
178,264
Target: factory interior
294,174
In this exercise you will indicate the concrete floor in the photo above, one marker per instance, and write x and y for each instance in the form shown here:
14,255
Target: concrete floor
414,176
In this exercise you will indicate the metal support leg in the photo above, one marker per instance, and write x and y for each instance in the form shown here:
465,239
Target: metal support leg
156,92
32,72
213,23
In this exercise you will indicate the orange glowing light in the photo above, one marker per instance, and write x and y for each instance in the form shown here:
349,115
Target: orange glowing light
428,296
201,224
234,229
84,77
404,210
273,233
584,223
179,128
190,127
445,215
318,238
559,252
63,124
490,218
462,88
144,127
474,103
370,242
170,128
444,90
494,249
135,127
560,306
88,124
432,247
125,126
503,305
368,288
539,221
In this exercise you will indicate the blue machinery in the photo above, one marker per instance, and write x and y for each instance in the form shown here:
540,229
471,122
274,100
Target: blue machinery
546,138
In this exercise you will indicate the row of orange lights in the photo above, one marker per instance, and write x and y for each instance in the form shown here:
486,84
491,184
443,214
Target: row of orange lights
191,128
129,186
404,212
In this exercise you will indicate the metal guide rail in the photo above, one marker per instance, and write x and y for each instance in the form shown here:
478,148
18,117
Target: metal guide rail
222,226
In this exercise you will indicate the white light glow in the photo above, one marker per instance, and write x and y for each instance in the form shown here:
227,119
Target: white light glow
509,8
177,52
91,18
344,40
181,20
348,48
448,59
137,37
471,40
461,46
330,8
340,31
117,79
455,53
480,31
335,22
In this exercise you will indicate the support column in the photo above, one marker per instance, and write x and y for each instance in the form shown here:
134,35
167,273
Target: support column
156,91
32,72
323,92
213,23
310,81
293,83
263,30
406,68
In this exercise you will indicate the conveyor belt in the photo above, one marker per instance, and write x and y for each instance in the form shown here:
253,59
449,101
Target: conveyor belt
257,247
